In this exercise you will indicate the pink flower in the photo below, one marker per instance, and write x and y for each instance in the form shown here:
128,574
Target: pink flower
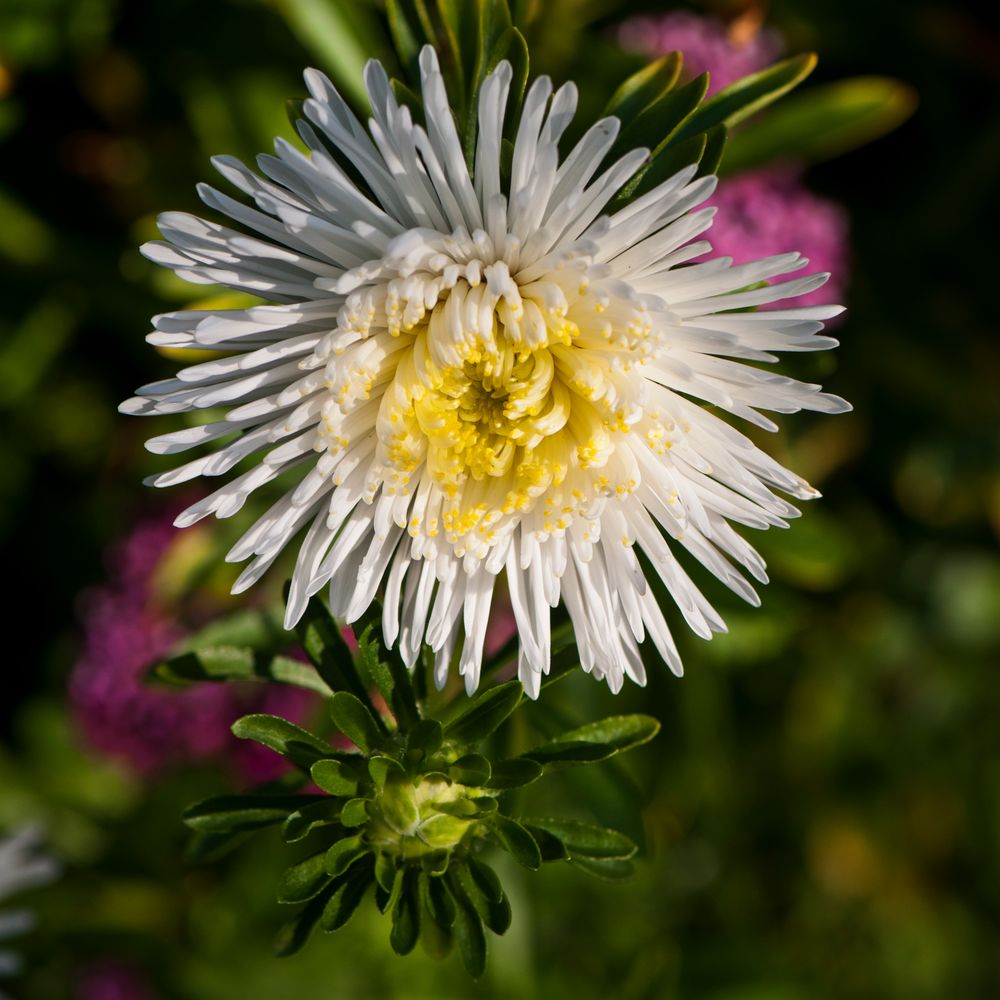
770,211
725,52
111,981
152,728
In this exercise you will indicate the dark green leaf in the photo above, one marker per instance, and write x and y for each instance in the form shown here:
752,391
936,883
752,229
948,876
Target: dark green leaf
469,934
231,813
715,145
407,34
385,870
550,848
382,768
486,880
585,840
291,741
325,646
206,847
516,841
335,777
342,904
406,916
304,880
386,669
296,932
437,901
514,773
567,753
238,663
662,120
745,97
425,738
355,721
484,713
303,821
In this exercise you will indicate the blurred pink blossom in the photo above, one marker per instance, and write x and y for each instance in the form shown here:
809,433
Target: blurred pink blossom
111,981
151,728
725,52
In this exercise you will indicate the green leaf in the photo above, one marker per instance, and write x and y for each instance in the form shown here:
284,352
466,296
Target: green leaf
644,87
297,744
231,813
335,777
238,663
325,812
386,669
343,903
486,880
585,840
406,916
662,120
751,94
355,721
493,910
407,34
344,853
567,753
620,732
472,769
304,880
715,145
514,773
823,122
484,712
324,644
385,870
516,841
550,848
609,869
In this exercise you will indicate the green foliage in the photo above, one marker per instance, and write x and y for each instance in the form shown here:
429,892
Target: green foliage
413,804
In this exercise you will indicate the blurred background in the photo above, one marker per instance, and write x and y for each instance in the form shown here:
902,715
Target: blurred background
821,812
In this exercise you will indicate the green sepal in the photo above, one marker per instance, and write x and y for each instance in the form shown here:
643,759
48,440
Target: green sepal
325,812
353,718
514,773
585,840
483,713
354,813
437,901
235,813
472,769
303,881
344,853
751,94
643,87
297,744
381,768
406,915
516,841
335,777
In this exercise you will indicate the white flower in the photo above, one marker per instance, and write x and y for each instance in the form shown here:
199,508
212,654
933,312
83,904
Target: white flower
473,377
20,869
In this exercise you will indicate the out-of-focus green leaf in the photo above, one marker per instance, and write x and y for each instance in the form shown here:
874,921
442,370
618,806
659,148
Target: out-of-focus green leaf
585,840
751,94
484,712
514,773
234,663
226,813
823,122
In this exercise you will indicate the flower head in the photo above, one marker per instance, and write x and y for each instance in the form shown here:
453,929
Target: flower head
469,372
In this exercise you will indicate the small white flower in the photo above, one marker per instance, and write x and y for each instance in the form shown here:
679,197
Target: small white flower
20,868
473,377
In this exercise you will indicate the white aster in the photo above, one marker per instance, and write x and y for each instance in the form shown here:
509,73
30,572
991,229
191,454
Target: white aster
475,377
20,868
